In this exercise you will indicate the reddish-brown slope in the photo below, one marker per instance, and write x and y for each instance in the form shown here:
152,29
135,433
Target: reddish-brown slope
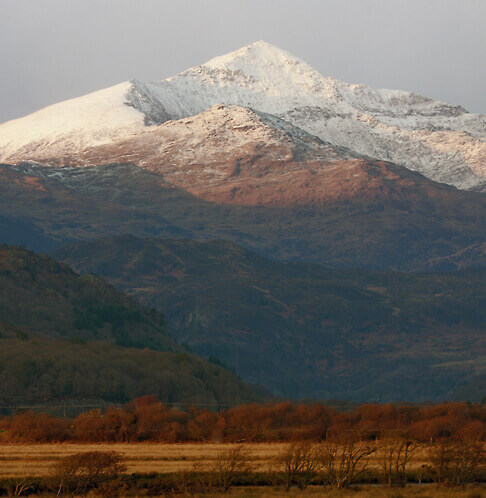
233,155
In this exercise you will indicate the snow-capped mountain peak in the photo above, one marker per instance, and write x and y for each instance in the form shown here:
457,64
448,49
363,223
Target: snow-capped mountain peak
270,66
275,71
444,142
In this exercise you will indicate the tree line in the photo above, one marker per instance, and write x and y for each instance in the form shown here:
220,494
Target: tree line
146,419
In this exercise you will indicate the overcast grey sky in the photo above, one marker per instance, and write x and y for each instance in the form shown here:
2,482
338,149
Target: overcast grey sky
51,50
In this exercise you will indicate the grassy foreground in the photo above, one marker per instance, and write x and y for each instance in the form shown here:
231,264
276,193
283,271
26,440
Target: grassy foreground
426,491
258,469
36,460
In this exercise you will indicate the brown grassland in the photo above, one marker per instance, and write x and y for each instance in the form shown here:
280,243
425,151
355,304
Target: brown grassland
25,461
363,492
36,460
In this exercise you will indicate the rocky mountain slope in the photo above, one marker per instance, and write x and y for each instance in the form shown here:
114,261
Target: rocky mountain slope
302,330
390,218
70,337
442,141
234,155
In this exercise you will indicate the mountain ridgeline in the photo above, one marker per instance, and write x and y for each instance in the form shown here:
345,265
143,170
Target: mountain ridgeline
417,225
442,141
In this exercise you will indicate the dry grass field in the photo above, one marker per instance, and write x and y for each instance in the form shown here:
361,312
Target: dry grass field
35,460
24,461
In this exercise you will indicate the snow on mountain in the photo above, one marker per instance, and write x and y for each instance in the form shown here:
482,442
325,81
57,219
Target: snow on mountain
71,125
443,142
234,155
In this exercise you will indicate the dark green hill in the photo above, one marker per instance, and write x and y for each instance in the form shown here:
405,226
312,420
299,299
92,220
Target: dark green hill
47,298
42,371
48,312
302,330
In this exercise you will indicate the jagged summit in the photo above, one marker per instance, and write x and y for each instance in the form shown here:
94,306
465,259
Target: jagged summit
443,142
276,71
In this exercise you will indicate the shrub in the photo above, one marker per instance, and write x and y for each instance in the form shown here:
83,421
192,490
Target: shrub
18,487
37,428
76,473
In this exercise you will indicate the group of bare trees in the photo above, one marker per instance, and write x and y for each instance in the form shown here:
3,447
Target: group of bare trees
146,419
342,459
456,462
339,461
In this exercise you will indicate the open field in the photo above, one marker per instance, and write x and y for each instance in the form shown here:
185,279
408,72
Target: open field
35,460
148,462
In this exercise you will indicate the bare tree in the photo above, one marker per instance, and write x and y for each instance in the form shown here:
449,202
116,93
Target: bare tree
299,464
456,462
229,464
75,473
345,457
396,453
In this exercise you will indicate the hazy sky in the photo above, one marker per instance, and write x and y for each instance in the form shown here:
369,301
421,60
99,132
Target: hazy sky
51,50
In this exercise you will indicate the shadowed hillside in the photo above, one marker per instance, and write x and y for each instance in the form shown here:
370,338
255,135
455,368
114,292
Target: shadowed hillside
53,322
39,370
430,227
303,330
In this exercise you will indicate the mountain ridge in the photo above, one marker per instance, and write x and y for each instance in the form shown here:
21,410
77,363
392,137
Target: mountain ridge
234,155
434,227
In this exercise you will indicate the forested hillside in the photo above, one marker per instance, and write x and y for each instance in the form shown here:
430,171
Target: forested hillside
74,338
